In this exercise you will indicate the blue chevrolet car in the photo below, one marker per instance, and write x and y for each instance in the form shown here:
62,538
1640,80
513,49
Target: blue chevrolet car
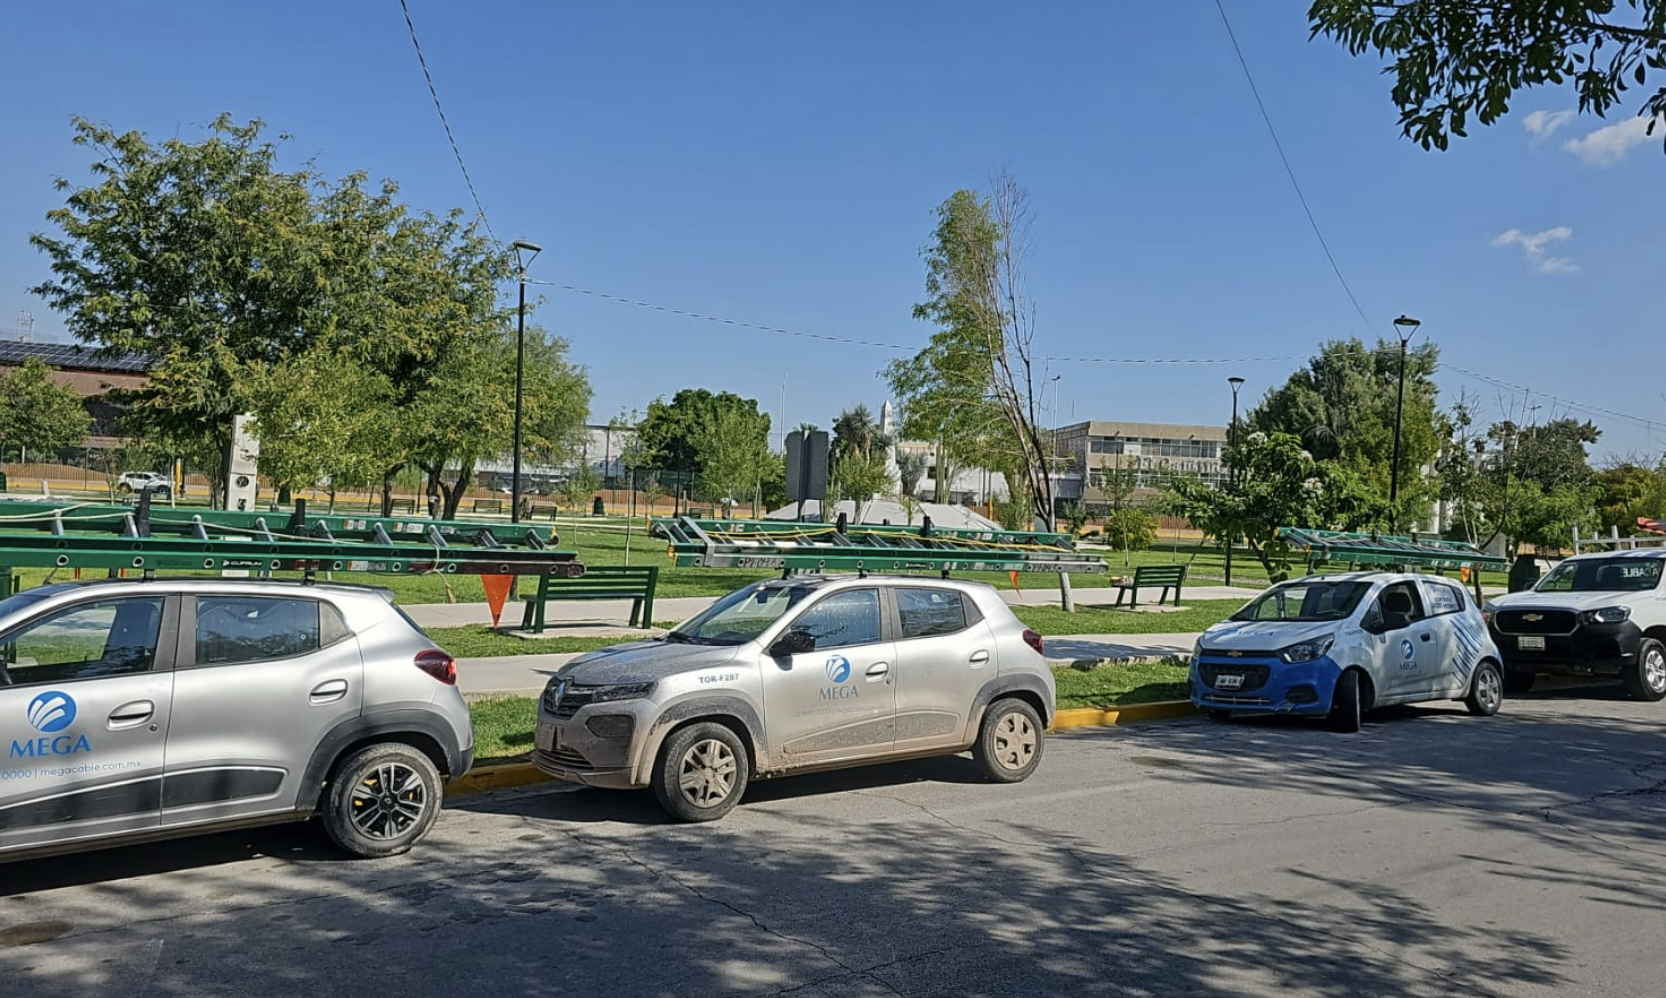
1336,646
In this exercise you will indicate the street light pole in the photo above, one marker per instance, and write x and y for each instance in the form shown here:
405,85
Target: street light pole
519,246
1232,469
1406,328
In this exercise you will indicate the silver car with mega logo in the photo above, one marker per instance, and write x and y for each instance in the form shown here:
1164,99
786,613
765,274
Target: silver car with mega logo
801,674
132,710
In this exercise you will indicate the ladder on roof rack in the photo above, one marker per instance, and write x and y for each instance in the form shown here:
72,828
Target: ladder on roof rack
817,547
1389,550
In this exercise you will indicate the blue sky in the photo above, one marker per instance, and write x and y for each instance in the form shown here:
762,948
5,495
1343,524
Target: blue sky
779,163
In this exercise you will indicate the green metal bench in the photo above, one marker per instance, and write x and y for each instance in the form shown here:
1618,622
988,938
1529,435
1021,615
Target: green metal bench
599,582
488,505
1150,577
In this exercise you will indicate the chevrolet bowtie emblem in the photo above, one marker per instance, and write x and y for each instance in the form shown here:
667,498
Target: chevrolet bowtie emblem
1235,654
1530,617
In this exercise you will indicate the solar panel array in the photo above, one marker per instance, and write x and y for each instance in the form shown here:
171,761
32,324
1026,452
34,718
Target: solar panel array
72,355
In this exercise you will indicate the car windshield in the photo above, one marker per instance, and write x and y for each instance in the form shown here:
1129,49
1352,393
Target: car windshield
740,616
1307,600
1603,575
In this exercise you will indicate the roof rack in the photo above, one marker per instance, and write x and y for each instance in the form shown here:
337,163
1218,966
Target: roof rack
844,546
1388,550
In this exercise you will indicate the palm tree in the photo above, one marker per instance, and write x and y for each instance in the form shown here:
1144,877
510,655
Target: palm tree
857,433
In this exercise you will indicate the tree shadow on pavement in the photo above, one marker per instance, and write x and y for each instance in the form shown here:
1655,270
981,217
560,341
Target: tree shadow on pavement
546,893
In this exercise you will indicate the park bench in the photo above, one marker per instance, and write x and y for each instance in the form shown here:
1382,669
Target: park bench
403,505
1150,577
543,509
488,505
598,582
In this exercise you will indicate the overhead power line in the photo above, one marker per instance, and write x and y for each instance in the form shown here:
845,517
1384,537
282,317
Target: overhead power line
446,123
1592,410
1289,171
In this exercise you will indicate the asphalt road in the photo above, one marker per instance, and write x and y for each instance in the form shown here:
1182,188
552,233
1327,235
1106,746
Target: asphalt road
1434,854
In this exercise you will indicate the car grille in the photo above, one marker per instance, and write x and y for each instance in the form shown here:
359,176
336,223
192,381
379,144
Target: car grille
1255,676
562,758
1535,621
1237,701
565,699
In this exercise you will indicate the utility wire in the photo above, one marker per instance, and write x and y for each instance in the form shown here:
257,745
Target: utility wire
1596,410
1291,173
455,150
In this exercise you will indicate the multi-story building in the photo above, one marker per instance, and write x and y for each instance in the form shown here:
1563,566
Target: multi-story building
1154,453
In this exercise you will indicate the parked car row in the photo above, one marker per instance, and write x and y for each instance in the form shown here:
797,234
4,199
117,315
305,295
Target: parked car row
1339,645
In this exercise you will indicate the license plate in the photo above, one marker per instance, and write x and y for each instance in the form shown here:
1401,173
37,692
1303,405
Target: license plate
545,738
1229,681
1530,644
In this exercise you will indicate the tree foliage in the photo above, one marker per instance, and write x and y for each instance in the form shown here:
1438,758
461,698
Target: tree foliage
321,417
1277,484
1530,483
1629,491
1453,60
37,413
1342,404
732,444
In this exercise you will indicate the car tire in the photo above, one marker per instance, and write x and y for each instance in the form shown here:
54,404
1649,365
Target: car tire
1517,683
1486,691
1010,742
702,772
123,489
382,800
1346,714
1646,678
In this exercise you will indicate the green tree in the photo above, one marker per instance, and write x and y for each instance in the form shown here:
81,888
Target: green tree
732,445
855,432
321,417
671,430
1342,404
1453,60
38,414
1277,484
1629,491
911,468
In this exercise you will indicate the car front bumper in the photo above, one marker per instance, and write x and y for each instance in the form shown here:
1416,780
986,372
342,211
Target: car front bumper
1591,650
1303,688
594,747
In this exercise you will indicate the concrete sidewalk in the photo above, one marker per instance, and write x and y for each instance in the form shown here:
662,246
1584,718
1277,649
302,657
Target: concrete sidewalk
525,675
614,613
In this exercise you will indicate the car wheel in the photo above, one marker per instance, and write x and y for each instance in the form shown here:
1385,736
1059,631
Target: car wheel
123,489
1010,743
702,772
1646,679
1486,691
1345,713
1517,683
383,800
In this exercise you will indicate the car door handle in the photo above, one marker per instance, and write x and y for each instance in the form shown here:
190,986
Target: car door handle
879,670
1425,637
131,714
979,658
328,692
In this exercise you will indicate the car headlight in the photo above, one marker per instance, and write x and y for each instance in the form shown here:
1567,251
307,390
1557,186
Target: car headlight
1197,652
1307,651
1606,615
619,691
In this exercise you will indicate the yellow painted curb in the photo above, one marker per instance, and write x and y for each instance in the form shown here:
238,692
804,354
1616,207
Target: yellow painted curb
499,777
1093,717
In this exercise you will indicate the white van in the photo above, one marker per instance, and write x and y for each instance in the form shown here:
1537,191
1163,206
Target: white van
1339,645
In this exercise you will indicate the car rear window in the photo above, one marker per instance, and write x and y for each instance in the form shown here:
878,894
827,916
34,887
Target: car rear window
929,612
233,629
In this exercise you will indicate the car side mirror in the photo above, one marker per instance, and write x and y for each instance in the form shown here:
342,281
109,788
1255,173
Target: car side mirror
793,643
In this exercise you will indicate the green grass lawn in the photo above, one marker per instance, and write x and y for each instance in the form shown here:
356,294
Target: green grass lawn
480,641
1194,616
503,725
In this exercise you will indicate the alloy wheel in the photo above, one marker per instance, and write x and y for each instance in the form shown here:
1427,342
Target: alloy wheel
707,774
388,801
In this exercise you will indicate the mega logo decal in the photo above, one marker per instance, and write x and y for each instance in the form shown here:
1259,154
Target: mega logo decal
838,670
50,713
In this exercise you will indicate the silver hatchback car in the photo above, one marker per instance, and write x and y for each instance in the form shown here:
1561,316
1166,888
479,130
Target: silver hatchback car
802,674
133,710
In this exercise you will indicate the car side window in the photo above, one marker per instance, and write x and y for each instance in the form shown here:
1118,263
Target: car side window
108,638
233,629
1444,599
929,612
843,619
1400,600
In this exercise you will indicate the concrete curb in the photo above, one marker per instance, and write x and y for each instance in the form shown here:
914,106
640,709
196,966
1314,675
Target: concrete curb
502,776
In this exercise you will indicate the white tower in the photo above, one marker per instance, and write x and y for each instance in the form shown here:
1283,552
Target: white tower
888,428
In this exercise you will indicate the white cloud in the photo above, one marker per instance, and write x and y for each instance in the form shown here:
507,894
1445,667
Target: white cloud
1534,248
1607,146
1543,124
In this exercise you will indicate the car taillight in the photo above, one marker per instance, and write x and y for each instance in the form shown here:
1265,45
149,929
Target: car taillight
1033,639
439,665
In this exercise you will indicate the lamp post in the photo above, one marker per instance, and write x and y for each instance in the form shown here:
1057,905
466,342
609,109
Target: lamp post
520,246
1406,327
1232,469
